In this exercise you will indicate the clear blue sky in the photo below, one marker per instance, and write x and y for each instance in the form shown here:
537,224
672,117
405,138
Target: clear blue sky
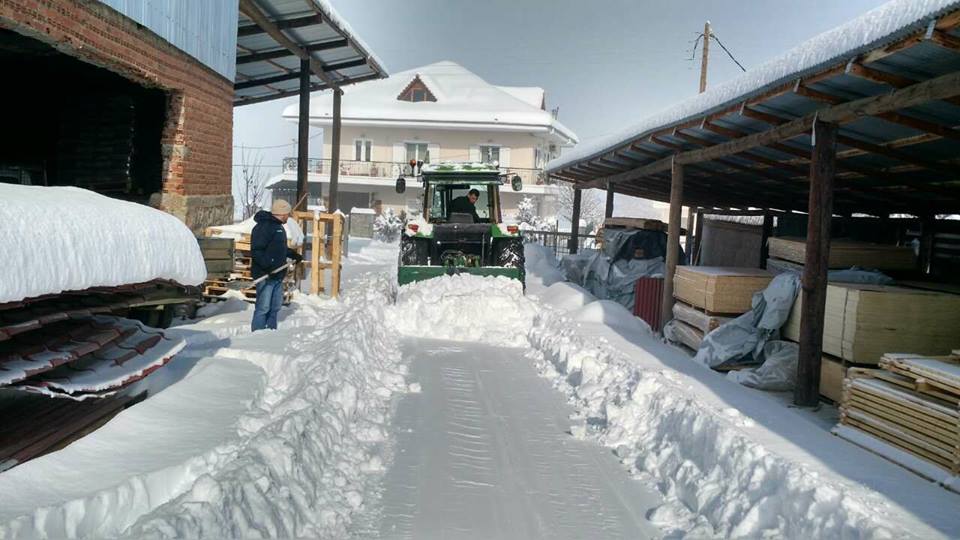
605,63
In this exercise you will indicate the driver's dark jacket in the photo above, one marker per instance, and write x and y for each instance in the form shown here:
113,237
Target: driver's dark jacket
462,205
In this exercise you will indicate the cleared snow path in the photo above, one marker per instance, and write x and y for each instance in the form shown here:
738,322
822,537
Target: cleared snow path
484,451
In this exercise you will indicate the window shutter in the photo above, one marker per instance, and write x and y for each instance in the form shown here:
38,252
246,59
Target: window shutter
504,156
399,157
475,153
434,150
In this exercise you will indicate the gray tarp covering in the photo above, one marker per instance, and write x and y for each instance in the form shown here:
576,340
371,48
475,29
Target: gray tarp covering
612,273
753,338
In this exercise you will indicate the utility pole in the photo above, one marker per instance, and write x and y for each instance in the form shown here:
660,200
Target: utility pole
704,57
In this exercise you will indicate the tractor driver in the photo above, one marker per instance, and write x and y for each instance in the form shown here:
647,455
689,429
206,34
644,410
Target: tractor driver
466,205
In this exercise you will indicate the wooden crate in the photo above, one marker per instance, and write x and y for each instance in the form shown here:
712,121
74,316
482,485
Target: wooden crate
325,254
719,290
862,322
847,253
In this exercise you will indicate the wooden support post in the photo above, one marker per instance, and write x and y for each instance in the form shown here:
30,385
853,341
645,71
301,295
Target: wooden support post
334,152
303,136
816,263
575,222
608,210
673,241
336,240
689,237
316,273
697,239
705,57
765,235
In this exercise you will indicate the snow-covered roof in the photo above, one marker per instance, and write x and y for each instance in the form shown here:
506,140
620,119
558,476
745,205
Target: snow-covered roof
872,29
464,101
67,239
533,95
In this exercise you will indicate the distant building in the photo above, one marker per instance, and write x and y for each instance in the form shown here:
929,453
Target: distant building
439,112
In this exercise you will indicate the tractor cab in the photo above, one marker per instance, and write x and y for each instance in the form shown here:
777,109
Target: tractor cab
461,229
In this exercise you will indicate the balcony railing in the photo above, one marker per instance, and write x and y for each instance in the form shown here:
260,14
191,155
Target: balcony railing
390,169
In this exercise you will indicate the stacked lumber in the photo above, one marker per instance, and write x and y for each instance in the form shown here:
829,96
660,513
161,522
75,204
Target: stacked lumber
709,296
910,403
833,372
862,322
719,290
847,253
634,223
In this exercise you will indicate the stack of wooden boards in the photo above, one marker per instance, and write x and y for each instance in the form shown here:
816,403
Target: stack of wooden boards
790,253
240,268
862,322
910,403
217,256
710,296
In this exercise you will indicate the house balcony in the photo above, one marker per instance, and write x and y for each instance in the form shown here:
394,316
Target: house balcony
380,173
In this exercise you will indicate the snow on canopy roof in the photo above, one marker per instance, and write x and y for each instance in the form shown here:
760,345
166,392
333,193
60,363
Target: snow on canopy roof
67,239
881,25
463,100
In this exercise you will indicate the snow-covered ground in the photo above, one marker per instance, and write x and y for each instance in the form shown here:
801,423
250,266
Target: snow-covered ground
549,414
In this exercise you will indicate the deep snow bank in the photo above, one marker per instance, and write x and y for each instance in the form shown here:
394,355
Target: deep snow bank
716,479
491,310
84,239
277,433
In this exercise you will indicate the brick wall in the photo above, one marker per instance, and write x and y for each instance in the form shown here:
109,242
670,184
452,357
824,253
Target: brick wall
198,133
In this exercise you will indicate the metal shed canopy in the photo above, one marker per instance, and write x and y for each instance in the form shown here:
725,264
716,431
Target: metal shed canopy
274,36
889,79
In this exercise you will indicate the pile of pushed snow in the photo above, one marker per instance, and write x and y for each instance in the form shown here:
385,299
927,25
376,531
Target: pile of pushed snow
716,480
464,307
66,239
271,434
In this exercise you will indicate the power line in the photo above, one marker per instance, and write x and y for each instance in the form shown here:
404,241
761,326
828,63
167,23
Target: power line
291,143
728,52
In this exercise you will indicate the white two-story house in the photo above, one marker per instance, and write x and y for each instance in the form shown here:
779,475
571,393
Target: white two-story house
439,112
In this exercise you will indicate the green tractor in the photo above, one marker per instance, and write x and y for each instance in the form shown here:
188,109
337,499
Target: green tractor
454,236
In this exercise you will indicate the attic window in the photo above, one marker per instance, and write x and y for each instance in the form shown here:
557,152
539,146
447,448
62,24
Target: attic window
416,91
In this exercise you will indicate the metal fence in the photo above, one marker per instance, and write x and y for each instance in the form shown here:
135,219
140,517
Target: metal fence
559,242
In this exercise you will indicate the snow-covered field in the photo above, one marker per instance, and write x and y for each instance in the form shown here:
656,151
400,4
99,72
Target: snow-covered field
427,417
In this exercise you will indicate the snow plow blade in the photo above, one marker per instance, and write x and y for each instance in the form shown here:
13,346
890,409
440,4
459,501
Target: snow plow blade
411,274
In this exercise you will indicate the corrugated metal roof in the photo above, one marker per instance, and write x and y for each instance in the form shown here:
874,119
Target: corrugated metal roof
205,30
267,70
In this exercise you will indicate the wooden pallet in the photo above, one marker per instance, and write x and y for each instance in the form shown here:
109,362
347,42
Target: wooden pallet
698,318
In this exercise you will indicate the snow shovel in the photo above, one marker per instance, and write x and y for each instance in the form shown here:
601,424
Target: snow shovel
241,284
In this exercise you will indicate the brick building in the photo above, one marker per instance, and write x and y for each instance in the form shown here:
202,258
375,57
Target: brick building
134,99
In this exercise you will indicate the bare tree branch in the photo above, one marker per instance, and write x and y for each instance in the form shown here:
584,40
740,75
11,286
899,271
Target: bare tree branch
252,181
592,205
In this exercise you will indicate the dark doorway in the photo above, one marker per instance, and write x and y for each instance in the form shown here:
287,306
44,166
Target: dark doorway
71,123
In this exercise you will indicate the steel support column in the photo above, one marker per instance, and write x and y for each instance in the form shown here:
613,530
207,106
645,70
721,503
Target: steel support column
575,222
303,136
335,151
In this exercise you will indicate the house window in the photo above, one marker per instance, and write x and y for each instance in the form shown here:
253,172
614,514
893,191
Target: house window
418,94
362,148
418,152
489,154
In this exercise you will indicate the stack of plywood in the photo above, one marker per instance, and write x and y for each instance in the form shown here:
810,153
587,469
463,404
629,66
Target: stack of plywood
710,296
862,322
911,404
719,290
847,253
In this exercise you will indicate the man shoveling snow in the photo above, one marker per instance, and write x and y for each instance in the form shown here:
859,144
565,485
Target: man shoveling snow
268,242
